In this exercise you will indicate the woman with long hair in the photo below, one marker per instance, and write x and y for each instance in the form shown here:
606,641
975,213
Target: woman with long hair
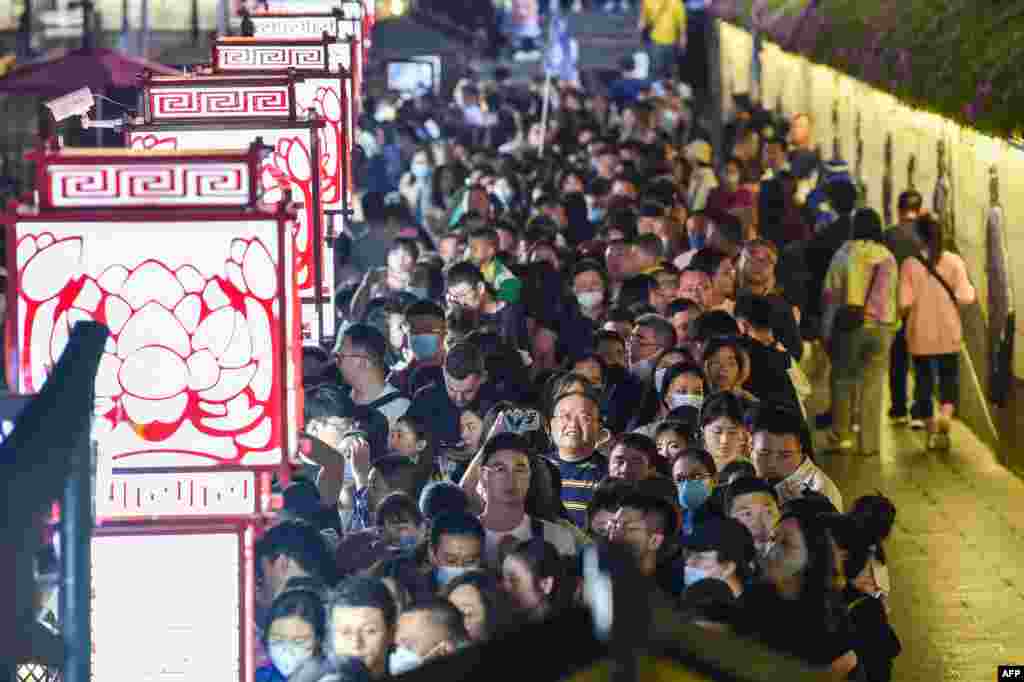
537,579
932,286
486,609
798,607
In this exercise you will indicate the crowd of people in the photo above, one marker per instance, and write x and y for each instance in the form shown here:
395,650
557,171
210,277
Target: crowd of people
601,331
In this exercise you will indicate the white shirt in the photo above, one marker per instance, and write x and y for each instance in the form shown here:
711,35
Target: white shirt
561,538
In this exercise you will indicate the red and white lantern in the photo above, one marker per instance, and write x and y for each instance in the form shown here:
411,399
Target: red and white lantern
331,73
297,151
198,393
202,368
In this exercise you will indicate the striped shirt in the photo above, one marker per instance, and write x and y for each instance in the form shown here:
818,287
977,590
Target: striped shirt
578,482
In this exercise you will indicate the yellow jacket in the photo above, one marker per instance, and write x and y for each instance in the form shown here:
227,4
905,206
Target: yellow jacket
665,18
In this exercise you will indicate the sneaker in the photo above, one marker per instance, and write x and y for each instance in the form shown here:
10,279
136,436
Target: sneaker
917,424
519,56
624,7
609,7
899,420
577,7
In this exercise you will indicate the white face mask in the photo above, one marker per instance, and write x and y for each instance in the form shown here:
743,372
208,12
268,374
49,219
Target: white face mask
590,299
402,660
685,400
287,657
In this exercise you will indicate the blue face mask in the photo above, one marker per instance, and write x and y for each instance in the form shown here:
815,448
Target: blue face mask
420,170
693,494
406,542
419,292
445,574
425,346
693,575
698,240
596,214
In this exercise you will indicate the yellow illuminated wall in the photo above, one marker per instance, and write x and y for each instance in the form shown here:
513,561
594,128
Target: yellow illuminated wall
799,85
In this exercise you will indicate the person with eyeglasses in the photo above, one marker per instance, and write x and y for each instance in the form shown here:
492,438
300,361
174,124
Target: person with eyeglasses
693,471
361,353
506,468
575,428
652,335
646,525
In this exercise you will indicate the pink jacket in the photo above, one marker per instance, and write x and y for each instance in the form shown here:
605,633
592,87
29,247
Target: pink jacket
933,323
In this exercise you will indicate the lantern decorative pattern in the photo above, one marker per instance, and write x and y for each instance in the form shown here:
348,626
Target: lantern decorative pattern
328,87
295,153
201,369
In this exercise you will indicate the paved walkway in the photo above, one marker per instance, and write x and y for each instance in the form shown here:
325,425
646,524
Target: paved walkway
958,582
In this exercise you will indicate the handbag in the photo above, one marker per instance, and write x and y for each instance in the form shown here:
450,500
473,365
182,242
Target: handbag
850,317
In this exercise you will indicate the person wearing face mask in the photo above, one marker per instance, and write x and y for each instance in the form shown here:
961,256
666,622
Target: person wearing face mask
721,549
680,386
590,286
652,334
426,329
416,186
399,530
801,591
597,194
294,635
693,471
456,546
653,406
426,631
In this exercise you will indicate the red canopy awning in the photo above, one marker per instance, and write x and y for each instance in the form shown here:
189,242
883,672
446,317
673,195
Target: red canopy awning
97,68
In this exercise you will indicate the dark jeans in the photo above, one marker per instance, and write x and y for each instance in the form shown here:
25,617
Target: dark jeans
899,366
947,366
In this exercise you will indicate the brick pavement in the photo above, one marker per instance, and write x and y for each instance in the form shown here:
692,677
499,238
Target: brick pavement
955,553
